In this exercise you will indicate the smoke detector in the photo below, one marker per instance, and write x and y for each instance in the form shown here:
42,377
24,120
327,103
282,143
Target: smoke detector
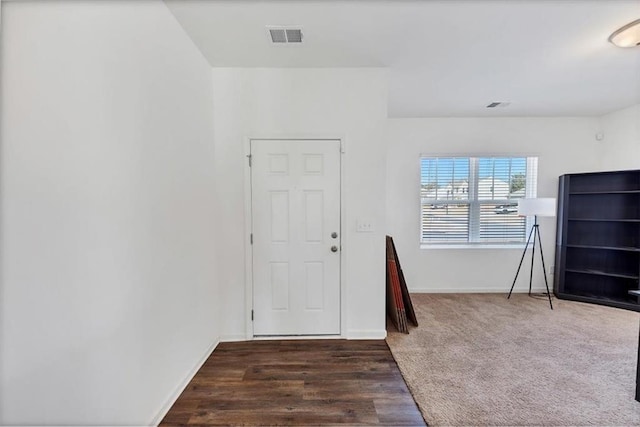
500,104
285,35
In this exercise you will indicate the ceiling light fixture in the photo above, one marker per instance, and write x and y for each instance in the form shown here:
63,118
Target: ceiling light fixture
627,36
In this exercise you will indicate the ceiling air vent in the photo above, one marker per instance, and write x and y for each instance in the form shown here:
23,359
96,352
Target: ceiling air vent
285,35
500,104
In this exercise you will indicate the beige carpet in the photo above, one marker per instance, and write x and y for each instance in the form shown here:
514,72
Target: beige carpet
480,359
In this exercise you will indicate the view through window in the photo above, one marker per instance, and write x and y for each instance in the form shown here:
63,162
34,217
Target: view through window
475,199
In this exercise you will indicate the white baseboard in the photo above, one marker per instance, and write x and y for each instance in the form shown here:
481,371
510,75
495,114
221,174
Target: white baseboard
233,338
181,386
296,337
371,334
473,290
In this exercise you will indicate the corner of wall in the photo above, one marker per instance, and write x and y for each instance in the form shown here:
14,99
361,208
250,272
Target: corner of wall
175,393
368,334
233,338
619,139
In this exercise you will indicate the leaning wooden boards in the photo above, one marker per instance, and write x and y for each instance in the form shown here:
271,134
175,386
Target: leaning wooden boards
399,304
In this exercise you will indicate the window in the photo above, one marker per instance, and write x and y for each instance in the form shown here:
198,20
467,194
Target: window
474,200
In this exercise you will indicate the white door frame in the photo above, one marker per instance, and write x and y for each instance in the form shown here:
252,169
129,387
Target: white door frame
248,252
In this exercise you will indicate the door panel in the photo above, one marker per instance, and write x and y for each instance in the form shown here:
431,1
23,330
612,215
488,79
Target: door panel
295,203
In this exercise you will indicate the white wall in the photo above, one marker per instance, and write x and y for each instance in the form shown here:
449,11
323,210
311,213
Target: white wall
122,223
620,146
108,240
346,103
563,145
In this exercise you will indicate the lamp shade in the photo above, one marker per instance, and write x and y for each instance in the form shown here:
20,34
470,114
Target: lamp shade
539,207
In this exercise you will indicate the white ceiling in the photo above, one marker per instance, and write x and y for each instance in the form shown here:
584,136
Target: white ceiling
445,58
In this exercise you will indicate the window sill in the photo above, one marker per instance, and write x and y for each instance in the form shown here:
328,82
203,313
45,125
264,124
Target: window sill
483,246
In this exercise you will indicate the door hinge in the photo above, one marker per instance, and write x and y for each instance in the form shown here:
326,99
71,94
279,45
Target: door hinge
252,315
251,238
249,157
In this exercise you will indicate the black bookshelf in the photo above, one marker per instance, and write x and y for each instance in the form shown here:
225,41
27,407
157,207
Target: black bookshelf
598,238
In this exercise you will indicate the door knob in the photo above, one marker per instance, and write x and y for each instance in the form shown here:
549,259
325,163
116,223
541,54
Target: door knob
334,249
334,234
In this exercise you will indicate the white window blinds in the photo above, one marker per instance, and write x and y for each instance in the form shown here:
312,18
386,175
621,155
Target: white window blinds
474,199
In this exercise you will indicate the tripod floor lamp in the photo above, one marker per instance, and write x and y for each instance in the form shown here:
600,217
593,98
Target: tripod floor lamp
535,208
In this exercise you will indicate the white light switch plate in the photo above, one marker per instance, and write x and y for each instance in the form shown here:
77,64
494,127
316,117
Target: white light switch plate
365,225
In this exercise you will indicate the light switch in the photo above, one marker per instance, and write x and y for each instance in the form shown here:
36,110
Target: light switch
364,225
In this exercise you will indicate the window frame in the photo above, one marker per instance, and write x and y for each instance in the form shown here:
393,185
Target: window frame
531,188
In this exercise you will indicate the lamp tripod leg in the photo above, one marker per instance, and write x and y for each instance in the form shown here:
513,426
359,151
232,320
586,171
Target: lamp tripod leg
524,252
544,269
533,254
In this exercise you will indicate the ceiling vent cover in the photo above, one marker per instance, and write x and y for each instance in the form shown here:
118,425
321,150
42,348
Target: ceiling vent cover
285,35
500,104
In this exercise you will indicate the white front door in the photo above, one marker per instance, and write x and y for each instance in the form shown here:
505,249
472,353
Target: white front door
295,208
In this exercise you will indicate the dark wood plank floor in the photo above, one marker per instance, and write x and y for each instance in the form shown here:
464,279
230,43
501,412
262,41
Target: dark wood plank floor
301,382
